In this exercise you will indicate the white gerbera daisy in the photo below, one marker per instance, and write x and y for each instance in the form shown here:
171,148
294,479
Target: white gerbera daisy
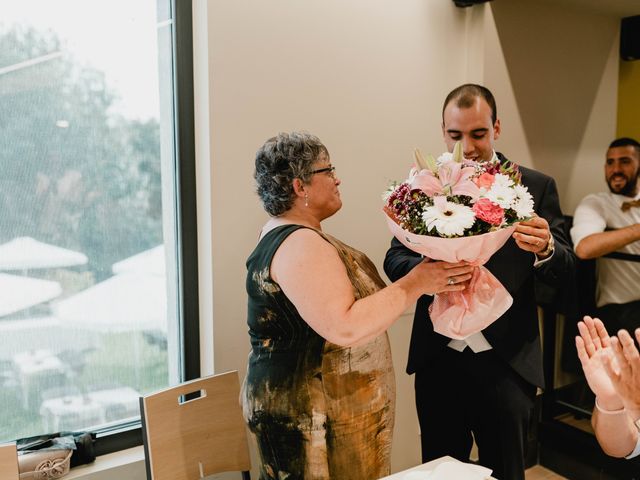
523,203
448,218
521,191
501,194
502,180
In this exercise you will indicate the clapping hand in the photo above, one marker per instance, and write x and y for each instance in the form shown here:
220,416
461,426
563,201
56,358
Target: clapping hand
623,368
594,346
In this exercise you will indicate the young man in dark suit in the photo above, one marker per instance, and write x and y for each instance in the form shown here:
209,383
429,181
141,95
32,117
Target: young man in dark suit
486,384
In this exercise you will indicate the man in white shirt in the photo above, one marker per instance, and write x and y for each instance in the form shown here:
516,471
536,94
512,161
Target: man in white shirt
609,222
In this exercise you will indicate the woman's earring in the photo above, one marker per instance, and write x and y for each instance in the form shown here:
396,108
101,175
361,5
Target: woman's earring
306,199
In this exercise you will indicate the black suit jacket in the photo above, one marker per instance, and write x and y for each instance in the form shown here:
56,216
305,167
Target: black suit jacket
515,335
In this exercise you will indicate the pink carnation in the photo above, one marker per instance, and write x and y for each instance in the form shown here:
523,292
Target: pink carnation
484,181
488,211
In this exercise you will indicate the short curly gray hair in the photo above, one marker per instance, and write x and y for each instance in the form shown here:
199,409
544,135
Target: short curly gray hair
278,162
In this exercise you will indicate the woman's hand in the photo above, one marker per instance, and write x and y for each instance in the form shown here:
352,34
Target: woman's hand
438,277
623,368
593,347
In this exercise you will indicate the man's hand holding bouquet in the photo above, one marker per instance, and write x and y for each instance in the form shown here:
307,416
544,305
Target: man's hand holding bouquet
454,210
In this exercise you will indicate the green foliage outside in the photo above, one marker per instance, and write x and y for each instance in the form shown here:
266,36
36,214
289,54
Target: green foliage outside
73,173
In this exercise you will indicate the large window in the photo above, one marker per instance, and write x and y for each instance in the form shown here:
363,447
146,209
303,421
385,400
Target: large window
96,149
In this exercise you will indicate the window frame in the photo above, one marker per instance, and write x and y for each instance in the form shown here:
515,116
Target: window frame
186,191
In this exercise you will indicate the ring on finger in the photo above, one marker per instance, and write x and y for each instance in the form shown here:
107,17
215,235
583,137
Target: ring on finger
451,281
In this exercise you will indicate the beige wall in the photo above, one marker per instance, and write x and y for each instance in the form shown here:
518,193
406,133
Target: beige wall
554,71
369,81
368,77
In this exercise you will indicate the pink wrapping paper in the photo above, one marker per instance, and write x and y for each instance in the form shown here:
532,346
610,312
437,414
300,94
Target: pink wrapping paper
460,314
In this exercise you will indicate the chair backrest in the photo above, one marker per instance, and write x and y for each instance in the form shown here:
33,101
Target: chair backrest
188,438
9,462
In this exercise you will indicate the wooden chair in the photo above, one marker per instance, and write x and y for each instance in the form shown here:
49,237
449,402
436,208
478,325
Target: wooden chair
9,462
195,429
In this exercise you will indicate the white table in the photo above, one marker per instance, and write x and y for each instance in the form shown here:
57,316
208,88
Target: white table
424,467
71,412
36,372
99,407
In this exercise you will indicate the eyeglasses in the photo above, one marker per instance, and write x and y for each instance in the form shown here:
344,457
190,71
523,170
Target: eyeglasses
330,170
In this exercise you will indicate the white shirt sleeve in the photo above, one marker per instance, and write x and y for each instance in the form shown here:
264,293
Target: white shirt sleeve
636,451
588,219
540,261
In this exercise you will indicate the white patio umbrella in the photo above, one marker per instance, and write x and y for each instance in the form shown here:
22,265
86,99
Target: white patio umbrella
122,303
19,292
25,253
150,261
126,302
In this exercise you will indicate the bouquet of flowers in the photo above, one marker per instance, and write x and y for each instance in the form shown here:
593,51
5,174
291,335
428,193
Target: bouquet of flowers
453,209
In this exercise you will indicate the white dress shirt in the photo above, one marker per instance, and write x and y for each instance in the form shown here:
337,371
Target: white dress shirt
617,281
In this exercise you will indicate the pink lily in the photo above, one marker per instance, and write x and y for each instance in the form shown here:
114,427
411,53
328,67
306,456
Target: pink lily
451,179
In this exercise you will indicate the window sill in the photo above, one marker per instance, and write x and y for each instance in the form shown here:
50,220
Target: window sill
124,465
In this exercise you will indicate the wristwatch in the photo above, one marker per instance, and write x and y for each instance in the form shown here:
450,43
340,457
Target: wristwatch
550,247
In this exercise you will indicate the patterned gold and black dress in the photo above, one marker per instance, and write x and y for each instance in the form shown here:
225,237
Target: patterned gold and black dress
318,410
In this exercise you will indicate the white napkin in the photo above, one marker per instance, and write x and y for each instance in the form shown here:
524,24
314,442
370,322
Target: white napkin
450,470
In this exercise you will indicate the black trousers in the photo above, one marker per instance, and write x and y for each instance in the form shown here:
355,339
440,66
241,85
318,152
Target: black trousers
464,393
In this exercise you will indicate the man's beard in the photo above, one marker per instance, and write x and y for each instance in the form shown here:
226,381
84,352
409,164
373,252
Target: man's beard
629,189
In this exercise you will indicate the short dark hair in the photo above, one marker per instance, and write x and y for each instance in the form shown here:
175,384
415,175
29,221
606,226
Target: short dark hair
281,159
465,97
626,142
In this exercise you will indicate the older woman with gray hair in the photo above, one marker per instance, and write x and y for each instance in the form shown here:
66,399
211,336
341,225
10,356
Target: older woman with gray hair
319,392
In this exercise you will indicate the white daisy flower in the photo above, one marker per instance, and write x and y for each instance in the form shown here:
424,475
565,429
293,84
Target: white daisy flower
523,203
501,194
448,218
521,191
502,180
